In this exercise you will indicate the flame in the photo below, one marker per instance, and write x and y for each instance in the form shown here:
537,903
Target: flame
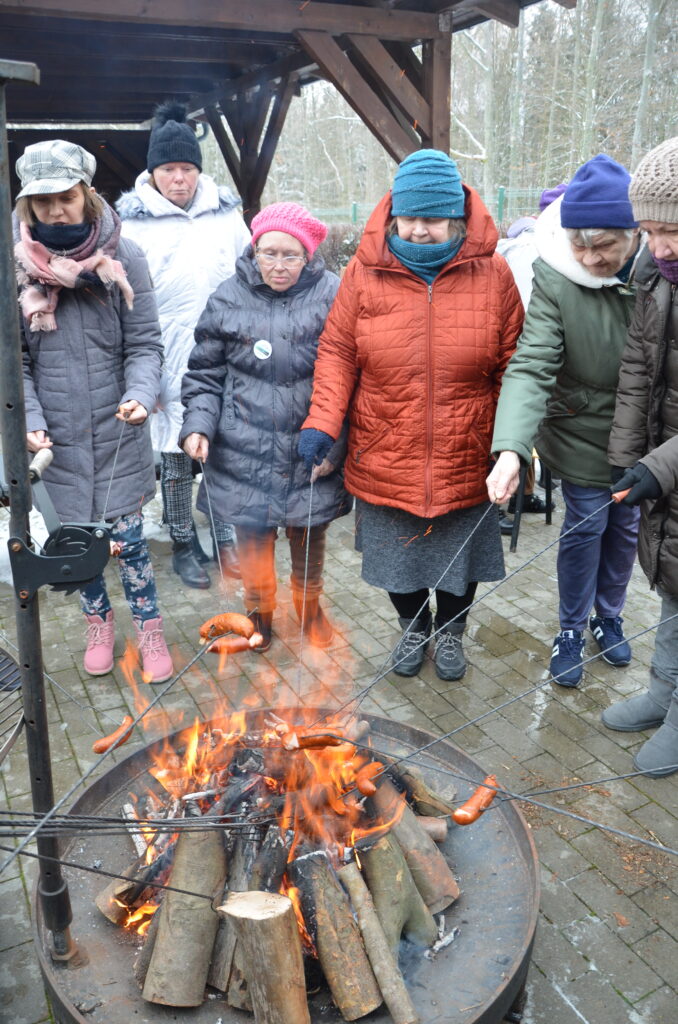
140,919
294,897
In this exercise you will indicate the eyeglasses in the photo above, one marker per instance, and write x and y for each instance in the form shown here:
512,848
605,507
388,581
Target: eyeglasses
269,259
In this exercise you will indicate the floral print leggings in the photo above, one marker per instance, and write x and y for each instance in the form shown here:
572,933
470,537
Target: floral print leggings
136,573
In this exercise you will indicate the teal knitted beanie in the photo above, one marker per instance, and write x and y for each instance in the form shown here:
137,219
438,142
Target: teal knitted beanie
427,184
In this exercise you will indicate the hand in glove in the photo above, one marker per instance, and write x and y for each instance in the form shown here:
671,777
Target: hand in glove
313,446
616,473
641,483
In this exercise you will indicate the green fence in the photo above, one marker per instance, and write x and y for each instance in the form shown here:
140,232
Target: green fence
506,205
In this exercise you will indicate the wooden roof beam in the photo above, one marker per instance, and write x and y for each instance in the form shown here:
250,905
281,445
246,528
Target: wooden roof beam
286,16
394,81
347,79
505,11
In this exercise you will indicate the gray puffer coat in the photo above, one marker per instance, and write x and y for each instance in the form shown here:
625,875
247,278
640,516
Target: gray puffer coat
248,390
101,354
645,424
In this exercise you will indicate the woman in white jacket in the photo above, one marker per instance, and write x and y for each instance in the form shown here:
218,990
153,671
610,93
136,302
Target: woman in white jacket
191,233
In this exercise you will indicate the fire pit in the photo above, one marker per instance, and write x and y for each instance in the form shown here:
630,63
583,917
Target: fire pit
477,978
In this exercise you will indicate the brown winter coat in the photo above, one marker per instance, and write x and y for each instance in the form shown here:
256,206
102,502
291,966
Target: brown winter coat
418,368
646,422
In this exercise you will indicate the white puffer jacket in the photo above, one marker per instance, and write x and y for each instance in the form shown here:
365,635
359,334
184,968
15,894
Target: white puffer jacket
189,252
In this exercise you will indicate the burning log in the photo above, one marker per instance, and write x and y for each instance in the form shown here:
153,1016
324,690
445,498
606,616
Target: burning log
121,894
425,800
266,929
337,937
397,900
430,870
180,962
381,958
144,955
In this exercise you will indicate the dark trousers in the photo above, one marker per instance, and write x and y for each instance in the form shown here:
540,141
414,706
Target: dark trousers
595,561
176,484
450,607
256,549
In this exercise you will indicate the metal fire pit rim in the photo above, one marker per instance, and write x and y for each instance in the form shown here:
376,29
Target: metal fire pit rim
503,999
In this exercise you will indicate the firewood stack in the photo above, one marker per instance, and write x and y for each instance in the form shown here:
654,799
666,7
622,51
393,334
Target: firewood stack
324,857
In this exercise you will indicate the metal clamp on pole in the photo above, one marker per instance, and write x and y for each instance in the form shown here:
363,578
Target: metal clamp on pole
73,553
52,886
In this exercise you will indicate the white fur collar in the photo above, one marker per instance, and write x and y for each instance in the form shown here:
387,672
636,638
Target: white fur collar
553,246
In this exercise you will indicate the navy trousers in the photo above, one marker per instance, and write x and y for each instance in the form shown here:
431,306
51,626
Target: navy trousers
595,560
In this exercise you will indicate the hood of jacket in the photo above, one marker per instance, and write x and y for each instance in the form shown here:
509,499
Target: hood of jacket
553,245
145,201
481,234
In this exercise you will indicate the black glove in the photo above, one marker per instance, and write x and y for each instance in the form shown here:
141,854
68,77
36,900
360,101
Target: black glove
641,483
616,473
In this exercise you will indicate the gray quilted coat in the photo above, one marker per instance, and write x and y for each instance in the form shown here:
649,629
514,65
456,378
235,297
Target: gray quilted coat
645,424
248,389
100,355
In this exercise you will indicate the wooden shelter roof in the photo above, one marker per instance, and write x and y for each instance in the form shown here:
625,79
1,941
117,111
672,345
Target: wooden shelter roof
237,64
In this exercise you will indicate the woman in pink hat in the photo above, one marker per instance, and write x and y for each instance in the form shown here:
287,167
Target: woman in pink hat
246,394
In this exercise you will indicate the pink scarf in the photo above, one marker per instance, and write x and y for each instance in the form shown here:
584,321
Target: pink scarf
42,273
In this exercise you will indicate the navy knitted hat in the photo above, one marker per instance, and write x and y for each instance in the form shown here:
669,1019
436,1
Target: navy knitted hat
172,140
427,184
598,196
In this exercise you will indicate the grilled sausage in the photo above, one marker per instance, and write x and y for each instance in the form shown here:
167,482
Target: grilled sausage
476,804
114,739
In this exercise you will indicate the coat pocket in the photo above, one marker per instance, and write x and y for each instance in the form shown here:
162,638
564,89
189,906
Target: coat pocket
566,404
366,447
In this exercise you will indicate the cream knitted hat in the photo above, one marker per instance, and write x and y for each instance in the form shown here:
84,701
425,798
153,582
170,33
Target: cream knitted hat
654,187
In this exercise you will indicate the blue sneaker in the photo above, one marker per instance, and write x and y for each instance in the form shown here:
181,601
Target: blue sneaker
566,659
611,640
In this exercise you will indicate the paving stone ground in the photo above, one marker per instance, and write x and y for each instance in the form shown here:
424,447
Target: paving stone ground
606,950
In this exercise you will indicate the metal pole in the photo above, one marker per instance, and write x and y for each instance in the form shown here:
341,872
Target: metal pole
52,886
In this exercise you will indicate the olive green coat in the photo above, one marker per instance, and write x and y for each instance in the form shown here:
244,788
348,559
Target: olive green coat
558,391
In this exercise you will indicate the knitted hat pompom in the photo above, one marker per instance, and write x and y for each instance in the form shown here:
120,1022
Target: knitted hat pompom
598,196
654,186
292,219
172,140
427,184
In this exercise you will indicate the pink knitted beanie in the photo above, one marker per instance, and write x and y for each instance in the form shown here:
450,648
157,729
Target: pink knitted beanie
293,220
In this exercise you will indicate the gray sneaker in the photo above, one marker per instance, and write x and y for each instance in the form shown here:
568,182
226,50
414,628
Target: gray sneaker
408,656
449,657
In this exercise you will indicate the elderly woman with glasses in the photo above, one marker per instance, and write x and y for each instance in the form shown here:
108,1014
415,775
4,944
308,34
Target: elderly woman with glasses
246,394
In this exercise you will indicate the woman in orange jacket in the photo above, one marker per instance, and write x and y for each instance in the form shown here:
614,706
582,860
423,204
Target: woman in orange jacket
424,323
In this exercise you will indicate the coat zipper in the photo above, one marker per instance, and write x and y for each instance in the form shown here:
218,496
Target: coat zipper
428,477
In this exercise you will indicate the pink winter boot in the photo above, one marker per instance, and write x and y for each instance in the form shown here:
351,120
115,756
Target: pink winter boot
98,660
156,662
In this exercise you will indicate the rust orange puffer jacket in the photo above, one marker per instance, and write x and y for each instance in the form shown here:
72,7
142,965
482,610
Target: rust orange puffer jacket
418,368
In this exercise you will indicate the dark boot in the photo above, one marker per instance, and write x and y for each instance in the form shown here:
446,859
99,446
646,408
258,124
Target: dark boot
449,657
316,625
408,656
186,565
227,557
262,624
201,556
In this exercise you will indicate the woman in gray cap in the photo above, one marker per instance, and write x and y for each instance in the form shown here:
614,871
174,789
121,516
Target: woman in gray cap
92,357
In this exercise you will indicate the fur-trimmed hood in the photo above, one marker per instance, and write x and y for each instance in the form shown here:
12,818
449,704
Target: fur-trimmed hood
145,201
553,245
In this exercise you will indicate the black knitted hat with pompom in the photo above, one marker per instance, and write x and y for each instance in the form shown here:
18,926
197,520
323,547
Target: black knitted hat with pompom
172,140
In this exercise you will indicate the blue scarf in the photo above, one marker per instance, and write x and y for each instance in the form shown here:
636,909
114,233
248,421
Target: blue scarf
61,237
423,260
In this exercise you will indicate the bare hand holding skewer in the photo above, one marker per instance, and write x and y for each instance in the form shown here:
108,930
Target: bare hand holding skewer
503,480
196,447
132,412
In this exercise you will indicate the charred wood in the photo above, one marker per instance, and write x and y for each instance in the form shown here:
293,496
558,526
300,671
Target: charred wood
336,935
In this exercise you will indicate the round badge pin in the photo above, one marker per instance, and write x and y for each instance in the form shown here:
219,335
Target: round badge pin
263,349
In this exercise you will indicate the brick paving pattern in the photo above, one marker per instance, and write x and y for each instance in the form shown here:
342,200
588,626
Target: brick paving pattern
606,950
